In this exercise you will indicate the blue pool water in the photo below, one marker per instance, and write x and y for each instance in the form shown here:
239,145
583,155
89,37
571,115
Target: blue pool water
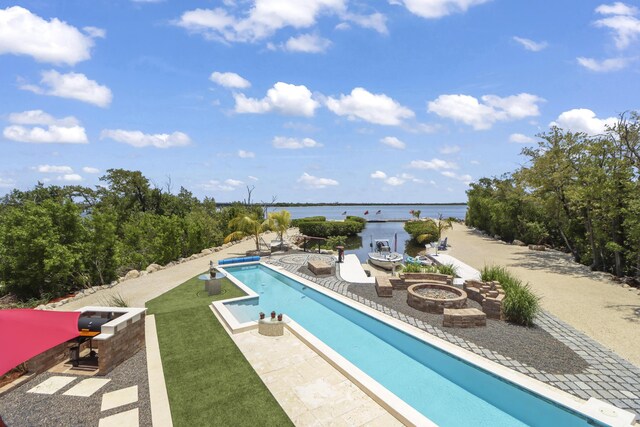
446,390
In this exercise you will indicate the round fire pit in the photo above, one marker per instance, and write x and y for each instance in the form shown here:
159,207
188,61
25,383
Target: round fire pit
435,297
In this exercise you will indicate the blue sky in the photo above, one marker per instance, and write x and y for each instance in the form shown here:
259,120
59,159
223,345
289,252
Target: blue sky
307,100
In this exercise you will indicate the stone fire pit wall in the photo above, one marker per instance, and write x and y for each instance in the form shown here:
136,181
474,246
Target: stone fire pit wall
120,338
435,305
489,294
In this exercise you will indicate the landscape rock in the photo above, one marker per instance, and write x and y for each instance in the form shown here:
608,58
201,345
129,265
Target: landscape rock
206,252
132,275
519,243
152,268
112,284
497,236
41,307
537,248
143,273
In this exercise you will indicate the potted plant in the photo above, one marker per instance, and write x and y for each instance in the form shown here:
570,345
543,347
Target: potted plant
261,315
273,315
280,317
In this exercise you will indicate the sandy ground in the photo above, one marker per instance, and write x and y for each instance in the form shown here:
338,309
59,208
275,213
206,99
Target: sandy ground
589,301
138,291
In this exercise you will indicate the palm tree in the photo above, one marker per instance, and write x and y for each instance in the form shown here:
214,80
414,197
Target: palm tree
247,225
280,222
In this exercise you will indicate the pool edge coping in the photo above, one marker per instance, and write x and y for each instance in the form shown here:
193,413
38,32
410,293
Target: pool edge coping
592,408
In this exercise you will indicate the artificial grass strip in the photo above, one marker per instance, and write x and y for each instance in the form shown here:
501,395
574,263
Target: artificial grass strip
209,381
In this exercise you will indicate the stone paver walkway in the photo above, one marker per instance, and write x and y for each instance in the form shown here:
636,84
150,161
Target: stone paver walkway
608,377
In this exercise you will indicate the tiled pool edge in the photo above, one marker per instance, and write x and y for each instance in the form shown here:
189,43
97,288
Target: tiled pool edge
593,408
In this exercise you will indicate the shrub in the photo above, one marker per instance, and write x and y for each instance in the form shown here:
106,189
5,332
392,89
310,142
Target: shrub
520,304
356,219
296,222
422,231
334,241
448,269
412,267
330,228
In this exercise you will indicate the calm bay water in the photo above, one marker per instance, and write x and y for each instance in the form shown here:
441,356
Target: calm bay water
359,245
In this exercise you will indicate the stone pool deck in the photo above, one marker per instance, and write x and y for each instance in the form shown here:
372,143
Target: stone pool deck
608,377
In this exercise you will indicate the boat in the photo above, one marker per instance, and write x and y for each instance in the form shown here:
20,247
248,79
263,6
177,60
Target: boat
421,259
383,257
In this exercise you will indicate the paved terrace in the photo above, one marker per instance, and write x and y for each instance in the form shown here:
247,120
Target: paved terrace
608,377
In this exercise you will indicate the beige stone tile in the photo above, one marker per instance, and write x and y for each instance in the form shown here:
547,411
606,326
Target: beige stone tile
361,415
385,420
86,388
121,397
317,393
306,419
123,419
52,385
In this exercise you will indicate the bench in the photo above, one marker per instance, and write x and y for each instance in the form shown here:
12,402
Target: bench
384,288
463,318
318,267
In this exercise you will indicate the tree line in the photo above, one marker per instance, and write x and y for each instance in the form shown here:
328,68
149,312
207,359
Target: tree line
54,240
576,191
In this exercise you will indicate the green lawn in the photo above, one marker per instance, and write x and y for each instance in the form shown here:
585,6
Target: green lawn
209,381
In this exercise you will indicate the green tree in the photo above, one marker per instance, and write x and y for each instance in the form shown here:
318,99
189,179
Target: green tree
247,225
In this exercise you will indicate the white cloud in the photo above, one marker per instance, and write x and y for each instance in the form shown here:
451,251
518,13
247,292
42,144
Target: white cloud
70,177
433,9
284,98
373,108
617,8
520,138
233,182
466,178
7,183
610,64
53,169
482,115
621,21
71,85
51,135
253,178
530,44
376,21
262,20
89,169
65,131
39,117
583,120
95,32
227,185
433,164
307,43
139,139
394,181
474,162
313,182
231,80
294,143
393,142
450,149
243,154
54,41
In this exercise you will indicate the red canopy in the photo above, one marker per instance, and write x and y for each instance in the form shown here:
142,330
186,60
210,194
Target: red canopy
25,333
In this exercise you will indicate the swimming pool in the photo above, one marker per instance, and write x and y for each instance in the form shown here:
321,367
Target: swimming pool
444,388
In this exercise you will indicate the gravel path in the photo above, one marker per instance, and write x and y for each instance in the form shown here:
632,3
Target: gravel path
20,408
533,346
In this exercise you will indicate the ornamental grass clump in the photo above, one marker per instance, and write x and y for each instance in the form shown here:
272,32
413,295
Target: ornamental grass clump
520,304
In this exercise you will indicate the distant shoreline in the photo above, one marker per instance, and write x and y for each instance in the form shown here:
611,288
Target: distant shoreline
284,205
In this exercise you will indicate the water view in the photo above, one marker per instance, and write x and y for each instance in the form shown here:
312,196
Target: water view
360,244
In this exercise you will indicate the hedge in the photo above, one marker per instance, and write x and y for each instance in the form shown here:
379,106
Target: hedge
330,228
296,222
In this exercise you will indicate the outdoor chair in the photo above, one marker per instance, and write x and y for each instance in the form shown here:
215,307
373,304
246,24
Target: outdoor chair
443,245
